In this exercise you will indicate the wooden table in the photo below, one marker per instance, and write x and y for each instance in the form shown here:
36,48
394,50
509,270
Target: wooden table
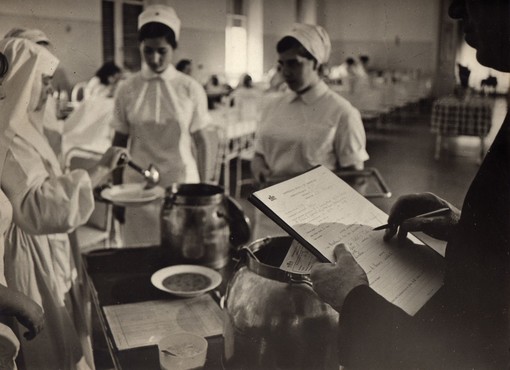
455,116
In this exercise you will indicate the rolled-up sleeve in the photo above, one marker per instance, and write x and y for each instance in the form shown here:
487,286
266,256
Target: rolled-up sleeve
350,139
43,203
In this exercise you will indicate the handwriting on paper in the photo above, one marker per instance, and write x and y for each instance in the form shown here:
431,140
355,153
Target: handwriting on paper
325,211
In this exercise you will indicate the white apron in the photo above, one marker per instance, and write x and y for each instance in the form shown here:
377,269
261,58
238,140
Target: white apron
159,134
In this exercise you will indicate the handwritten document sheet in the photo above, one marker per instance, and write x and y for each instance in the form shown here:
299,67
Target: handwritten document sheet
326,211
145,323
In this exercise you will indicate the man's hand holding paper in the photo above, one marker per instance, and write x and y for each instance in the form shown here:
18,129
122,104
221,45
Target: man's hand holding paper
334,281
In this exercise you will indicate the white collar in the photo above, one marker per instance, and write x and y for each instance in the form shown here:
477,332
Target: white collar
312,95
169,73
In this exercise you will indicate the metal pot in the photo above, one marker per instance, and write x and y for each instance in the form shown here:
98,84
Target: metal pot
274,319
200,225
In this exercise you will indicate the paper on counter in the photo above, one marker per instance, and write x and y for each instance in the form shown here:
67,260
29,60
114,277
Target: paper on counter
145,323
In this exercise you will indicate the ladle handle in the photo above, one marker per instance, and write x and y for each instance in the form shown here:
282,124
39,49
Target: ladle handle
124,159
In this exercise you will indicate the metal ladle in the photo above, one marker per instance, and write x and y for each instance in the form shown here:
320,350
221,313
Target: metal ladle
151,174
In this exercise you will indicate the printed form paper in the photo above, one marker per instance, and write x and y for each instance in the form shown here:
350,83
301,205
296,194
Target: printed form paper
145,323
326,211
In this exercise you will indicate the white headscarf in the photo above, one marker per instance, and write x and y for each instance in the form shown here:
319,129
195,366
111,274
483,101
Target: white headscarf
21,90
314,38
161,13
32,34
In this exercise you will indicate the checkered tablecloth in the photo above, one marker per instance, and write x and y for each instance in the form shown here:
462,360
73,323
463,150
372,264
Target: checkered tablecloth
470,116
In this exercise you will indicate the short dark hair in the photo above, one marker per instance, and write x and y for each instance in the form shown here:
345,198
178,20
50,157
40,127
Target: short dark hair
183,63
108,69
154,30
289,42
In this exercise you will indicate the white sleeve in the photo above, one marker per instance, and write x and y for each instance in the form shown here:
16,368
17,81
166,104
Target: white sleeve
43,203
350,139
201,117
120,122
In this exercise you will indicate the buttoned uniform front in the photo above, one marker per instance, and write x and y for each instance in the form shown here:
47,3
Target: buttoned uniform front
299,131
159,112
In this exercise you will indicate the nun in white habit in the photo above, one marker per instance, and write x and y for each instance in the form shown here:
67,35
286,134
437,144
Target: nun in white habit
47,204
160,113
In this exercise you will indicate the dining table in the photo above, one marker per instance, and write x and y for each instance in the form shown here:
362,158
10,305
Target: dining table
461,115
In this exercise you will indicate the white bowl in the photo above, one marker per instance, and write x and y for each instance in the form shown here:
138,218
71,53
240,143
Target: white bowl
182,351
213,279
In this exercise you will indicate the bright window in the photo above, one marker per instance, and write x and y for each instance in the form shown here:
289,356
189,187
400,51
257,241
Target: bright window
236,48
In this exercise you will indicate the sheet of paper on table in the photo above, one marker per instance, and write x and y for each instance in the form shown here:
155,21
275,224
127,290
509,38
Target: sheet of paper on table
145,323
321,210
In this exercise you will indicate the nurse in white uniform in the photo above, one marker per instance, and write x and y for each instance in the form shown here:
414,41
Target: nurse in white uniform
12,302
47,204
159,113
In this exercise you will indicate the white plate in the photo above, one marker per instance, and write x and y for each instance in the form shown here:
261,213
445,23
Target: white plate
159,277
133,194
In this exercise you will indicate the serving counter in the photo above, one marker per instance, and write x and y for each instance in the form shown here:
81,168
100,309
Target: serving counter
120,276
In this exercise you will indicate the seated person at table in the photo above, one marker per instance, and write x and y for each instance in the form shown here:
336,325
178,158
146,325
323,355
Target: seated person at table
216,90
466,324
245,88
310,124
184,66
89,126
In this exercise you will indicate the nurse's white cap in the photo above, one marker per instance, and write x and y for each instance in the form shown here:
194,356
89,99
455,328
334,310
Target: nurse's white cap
31,34
314,38
162,14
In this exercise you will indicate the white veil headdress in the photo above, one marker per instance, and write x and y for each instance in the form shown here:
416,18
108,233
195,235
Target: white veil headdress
20,92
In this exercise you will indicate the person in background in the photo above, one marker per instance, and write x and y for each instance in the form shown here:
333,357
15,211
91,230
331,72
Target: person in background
12,303
364,63
89,126
184,66
466,325
311,124
247,99
245,81
47,204
161,113
245,88
276,80
217,91
104,82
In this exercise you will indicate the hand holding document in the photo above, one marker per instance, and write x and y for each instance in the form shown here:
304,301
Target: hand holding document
320,211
